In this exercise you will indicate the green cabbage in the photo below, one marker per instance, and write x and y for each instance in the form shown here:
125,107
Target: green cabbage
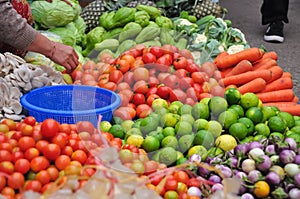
55,14
67,33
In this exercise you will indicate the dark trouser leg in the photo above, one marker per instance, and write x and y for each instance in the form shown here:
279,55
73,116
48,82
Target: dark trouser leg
273,10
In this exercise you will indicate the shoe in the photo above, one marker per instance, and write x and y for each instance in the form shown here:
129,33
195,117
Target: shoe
274,32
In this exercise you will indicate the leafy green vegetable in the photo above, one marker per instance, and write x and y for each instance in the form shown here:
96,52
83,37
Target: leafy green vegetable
164,22
142,18
92,37
67,33
81,27
55,14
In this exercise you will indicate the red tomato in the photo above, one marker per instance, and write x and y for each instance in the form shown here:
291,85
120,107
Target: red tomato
177,95
103,79
65,128
171,81
124,99
5,155
67,150
191,93
39,163
74,144
143,110
181,73
150,166
53,172
108,136
79,155
181,176
152,90
31,153
30,120
151,98
125,113
116,76
51,151
149,58
137,63
8,192
22,165
186,53
33,185
180,63
85,126
185,83
62,162
208,68
171,184
156,179
16,180
141,73
40,145
10,123
123,86
49,127
43,177
76,75
110,86
128,77
2,182
6,167
123,65
17,155
192,67
138,99
60,139
156,50
217,91
141,86
193,182
6,146
166,60
163,92
162,76
153,82
127,92
198,77
26,142
169,49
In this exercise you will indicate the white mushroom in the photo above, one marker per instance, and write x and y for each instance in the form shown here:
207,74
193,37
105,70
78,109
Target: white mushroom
15,93
15,106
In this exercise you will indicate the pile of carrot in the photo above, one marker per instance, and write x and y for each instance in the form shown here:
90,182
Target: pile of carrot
253,70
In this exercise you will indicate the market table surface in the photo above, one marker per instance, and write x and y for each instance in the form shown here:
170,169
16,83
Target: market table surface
246,16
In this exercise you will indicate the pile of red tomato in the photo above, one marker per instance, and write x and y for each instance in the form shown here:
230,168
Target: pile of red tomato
143,74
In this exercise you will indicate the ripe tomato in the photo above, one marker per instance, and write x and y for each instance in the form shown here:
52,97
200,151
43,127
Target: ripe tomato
6,167
79,155
181,176
65,128
148,58
17,155
53,173
22,165
31,153
5,155
40,145
85,126
141,73
156,179
151,98
112,86
39,163
198,77
193,182
51,151
169,49
137,63
123,65
123,86
6,146
191,93
177,95
87,77
67,150
4,128
156,50
74,144
103,79
181,73
129,58
43,177
208,68
8,192
138,99
143,110
141,86
128,77
33,185
60,139
153,82
26,142
49,127
180,63
62,162
2,182
116,76
150,166
185,83
163,92
165,60
10,123
192,67
72,169
125,113
186,53
171,81
30,120
124,99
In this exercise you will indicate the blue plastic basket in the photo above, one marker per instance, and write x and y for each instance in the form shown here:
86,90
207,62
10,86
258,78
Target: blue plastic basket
71,103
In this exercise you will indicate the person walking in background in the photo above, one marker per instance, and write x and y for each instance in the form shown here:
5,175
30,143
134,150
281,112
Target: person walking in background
274,13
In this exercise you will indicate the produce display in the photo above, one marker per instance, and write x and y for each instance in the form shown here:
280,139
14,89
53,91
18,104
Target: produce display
203,114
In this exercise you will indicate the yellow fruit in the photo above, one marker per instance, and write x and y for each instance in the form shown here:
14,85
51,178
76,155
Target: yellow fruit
226,142
135,140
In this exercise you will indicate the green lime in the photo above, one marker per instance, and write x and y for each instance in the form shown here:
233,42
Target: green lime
171,195
238,108
200,124
296,117
183,128
168,131
105,126
169,119
157,134
127,124
185,142
200,110
205,100
226,142
204,138
188,118
181,161
287,118
155,155
233,96
197,149
276,123
238,130
255,114
137,123
246,140
276,109
161,111
296,129
185,109
276,136
297,122
262,129
149,123
217,105
215,128
135,140
173,108
249,100
227,118
133,131
170,141
249,124
151,144
177,103
117,131
167,156
267,113
116,120
159,103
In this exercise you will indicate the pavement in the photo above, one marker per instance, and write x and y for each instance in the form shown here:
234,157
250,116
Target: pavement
245,15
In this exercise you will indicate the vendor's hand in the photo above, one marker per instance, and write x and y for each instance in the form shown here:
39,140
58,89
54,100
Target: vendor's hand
65,56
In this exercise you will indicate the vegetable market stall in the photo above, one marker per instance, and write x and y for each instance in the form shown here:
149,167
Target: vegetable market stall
203,114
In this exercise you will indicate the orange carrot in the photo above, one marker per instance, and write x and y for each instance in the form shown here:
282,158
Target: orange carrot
294,110
264,64
284,95
296,99
276,73
242,67
270,54
279,104
287,74
256,85
220,56
246,77
225,71
252,54
279,84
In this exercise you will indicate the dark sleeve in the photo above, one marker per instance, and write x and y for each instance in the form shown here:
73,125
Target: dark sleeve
14,29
